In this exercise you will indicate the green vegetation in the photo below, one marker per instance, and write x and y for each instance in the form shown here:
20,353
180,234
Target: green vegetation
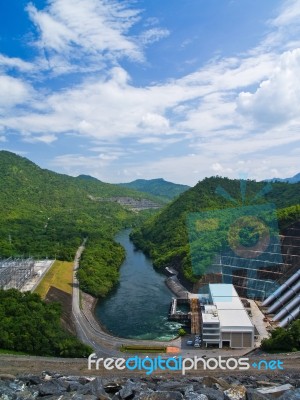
28,324
157,187
283,339
287,216
165,236
99,267
47,215
181,332
143,349
60,275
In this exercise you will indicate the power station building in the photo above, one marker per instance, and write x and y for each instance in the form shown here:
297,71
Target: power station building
224,319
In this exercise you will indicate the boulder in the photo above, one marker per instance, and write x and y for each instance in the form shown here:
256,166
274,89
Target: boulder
51,388
291,395
253,394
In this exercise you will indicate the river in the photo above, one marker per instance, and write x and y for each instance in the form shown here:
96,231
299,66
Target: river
138,307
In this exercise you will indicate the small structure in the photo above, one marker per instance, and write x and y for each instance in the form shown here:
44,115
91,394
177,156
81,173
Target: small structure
224,318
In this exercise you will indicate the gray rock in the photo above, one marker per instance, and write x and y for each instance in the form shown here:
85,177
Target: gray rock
291,395
127,390
83,380
212,394
162,395
253,394
65,396
30,379
6,393
73,386
195,396
94,388
50,388
182,387
84,397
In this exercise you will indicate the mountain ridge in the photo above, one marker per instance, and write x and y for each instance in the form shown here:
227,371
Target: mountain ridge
293,179
157,187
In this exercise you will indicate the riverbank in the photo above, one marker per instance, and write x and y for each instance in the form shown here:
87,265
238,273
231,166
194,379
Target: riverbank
88,305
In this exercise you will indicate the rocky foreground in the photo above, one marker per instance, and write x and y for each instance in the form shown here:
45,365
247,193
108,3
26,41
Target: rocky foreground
54,386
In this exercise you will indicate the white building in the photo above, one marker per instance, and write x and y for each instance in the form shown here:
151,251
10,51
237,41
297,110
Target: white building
225,320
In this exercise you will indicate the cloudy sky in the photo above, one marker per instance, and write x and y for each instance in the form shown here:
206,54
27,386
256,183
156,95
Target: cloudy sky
179,89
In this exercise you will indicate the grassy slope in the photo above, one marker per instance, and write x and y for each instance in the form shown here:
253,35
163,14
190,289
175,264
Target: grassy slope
60,275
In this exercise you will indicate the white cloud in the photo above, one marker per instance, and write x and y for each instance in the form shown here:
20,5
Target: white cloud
47,139
153,35
13,62
76,28
152,121
277,99
230,109
13,92
289,14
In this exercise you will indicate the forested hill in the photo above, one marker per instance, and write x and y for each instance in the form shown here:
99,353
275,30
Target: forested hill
45,214
157,187
165,236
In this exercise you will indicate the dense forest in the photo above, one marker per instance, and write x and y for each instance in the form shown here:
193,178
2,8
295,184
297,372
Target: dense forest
165,237
29,325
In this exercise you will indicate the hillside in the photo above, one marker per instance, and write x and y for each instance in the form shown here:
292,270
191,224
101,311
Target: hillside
165,236
45,214
157,187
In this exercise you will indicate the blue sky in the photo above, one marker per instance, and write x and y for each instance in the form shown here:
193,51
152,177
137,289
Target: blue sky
179,89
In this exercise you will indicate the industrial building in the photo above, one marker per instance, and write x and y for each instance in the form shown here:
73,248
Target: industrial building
225,321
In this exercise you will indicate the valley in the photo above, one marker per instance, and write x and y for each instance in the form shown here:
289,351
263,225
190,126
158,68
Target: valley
48,215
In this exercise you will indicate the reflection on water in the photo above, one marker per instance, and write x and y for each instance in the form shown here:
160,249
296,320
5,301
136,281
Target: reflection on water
138,307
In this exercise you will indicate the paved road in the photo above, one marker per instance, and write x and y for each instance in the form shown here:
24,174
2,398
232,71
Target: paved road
90,332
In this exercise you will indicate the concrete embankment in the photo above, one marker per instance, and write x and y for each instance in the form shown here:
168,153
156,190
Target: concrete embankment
176,287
